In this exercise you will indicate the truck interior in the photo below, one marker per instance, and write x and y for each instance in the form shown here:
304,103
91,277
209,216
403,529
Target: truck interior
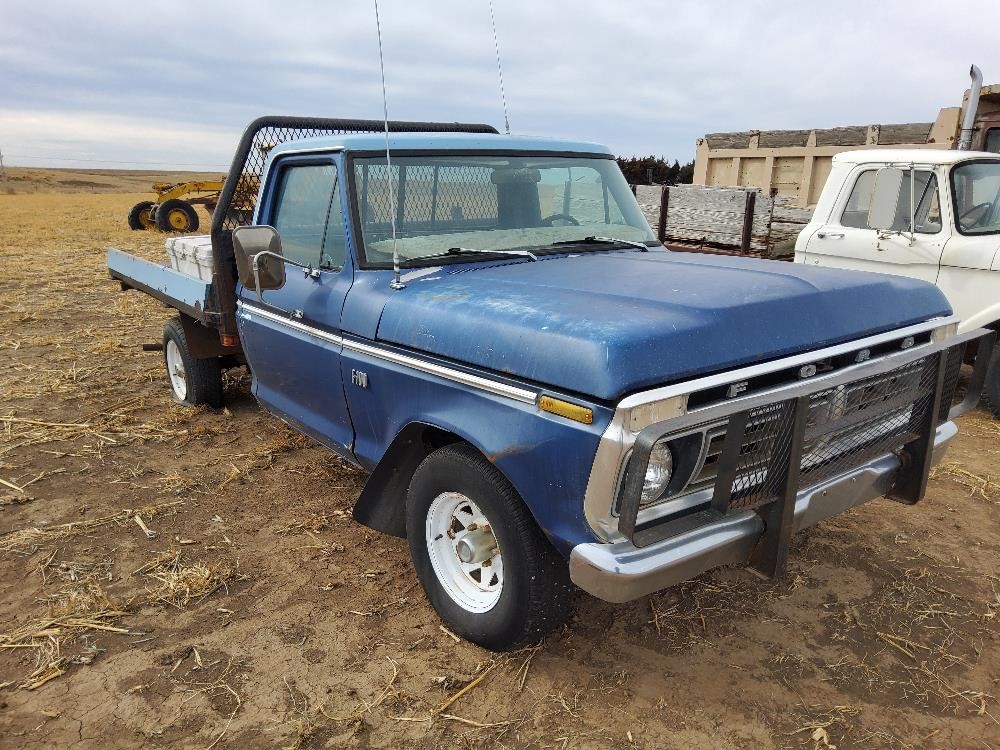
490,202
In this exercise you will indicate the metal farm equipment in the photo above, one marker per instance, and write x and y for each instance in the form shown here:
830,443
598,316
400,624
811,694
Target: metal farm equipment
173,209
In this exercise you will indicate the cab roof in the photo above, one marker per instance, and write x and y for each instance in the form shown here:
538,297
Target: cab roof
907,155
437,141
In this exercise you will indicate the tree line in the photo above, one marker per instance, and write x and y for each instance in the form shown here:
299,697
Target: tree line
637,170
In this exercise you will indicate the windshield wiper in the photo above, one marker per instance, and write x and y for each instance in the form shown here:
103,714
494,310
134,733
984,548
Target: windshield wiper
453,251
595,240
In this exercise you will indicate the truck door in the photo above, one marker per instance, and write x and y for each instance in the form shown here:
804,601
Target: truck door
292,338
846,241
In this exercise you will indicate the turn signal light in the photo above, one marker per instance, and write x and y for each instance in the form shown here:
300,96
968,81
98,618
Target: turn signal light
565,409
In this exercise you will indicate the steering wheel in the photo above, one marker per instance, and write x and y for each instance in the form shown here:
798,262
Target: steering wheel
547,221
982,207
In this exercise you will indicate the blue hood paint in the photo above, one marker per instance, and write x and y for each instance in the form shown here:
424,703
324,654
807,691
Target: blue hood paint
608,323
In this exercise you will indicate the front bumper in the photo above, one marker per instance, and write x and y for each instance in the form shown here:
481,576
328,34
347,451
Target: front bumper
621,572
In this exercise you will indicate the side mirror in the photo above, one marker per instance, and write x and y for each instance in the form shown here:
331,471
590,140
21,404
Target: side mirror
885,198
259,261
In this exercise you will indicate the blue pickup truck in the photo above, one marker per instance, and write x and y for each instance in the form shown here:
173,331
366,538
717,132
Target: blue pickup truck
543,395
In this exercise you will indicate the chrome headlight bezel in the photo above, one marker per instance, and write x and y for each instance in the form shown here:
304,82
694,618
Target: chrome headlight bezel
687,450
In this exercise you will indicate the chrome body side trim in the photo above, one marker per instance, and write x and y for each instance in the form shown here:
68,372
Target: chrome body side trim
497,388
621,572
246,311
456,376
621,432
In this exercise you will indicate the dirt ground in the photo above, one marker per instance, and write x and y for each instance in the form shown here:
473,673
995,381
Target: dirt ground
189,578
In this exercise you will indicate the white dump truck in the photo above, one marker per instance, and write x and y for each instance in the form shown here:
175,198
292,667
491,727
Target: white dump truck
927,214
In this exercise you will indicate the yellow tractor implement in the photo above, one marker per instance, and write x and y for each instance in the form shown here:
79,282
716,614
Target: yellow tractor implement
173,209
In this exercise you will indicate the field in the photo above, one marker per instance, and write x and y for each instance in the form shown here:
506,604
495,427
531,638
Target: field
189,578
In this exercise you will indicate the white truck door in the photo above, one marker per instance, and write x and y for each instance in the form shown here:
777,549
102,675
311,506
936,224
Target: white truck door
846,241
970,266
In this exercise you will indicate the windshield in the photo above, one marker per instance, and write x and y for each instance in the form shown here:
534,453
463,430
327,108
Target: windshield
489,202
976,188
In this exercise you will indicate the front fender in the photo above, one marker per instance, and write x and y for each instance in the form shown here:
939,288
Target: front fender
987,318
547,458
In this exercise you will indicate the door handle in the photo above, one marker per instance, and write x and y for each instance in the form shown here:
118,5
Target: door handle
830,235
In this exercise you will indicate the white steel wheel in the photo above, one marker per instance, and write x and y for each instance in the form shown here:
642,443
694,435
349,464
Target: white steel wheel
464,552
176,371
518,597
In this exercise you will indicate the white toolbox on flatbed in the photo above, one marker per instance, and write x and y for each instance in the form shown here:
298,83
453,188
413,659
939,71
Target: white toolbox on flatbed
191,255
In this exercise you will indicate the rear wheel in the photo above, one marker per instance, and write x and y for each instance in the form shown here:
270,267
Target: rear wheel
485,565
192,381
140,217
176,215
991,388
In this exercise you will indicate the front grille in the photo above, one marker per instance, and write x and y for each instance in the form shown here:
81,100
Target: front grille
854,423
846,426
759,457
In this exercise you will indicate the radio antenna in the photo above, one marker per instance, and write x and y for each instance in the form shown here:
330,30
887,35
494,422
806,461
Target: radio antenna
496,46
396,282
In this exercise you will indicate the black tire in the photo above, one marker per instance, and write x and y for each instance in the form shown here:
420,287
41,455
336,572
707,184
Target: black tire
140,217
536,593
991,388
202,377
176,215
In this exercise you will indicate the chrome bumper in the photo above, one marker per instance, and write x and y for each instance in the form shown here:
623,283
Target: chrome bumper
621,572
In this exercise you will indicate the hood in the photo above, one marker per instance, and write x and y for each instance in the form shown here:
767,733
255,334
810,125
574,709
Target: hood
606,324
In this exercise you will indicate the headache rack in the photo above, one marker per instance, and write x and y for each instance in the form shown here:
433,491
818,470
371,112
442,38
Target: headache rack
760,451
239,192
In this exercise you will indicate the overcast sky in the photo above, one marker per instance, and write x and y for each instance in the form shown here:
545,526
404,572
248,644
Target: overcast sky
133,84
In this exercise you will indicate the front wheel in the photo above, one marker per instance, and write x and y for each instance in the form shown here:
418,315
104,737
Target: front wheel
484,564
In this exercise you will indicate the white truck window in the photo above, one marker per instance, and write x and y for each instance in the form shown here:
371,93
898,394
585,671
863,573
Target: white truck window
926,203
856,211
976,188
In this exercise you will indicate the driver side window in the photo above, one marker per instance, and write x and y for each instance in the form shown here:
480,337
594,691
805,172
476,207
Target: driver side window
926,204
855,214
303,207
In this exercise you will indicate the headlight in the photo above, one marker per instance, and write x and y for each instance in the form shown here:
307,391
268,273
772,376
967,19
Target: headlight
659,470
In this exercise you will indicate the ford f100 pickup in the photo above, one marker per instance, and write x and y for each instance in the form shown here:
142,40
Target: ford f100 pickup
543,394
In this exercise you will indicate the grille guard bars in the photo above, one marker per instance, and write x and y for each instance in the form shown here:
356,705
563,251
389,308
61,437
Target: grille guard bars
777,509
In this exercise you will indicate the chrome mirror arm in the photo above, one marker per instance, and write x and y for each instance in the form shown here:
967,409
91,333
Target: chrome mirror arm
256,269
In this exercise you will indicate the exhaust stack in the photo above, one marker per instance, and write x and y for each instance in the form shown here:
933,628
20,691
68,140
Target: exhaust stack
969,121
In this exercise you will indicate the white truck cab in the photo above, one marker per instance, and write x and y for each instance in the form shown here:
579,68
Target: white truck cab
924,213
